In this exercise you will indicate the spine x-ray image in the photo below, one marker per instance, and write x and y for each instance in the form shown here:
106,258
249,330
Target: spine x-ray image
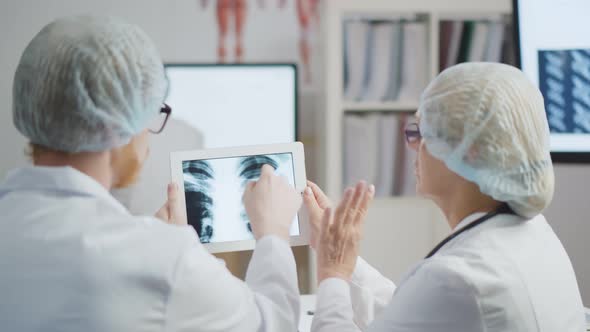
198,176
564,77
214,189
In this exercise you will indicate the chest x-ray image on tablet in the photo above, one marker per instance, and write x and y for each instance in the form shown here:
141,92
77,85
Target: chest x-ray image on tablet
214,182
213,190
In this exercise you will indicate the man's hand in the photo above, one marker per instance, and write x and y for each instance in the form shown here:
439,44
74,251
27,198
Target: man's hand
173,211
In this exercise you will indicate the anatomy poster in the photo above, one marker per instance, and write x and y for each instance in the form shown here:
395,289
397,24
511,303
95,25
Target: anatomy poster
261,30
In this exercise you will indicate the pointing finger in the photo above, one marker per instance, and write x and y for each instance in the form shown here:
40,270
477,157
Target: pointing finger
266,171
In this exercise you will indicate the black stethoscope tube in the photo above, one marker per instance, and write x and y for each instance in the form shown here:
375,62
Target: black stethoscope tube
503,209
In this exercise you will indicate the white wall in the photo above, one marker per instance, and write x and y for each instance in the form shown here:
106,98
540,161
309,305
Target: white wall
399,233
569,215
184,34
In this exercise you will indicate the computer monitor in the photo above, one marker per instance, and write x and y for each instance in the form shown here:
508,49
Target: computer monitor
554,51
235,104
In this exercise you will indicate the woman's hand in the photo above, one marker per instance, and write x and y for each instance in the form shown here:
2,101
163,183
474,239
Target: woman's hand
340,233
173,211
271,204
316,202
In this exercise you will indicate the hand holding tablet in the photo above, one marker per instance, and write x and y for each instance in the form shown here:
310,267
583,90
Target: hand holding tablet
214,182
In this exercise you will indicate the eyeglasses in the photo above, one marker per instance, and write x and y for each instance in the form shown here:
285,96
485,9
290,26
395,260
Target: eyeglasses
412,132
159,123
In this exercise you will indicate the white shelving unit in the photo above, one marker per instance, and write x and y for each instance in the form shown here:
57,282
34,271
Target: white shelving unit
413,221
377,106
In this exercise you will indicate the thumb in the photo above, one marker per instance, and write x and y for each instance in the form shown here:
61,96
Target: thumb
321,198
175,206
310,201
162,213
172,192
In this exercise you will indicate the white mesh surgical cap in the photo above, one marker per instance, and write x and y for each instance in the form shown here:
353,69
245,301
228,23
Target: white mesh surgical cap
87,84
487,123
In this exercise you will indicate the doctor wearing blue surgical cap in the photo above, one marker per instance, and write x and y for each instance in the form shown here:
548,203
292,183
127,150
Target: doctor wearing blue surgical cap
88,92
482,143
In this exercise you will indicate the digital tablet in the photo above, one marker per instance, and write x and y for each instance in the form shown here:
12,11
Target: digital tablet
214,180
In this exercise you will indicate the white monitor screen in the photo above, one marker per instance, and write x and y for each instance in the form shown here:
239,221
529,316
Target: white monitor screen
235,105
555,54
214,188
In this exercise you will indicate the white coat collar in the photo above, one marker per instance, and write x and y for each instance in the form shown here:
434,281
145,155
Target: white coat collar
66,180
468,220
472,217
493,222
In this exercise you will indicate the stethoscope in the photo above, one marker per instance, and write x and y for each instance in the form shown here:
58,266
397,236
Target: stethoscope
503,209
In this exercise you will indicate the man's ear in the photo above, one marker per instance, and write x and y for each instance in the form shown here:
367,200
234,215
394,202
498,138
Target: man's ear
125,164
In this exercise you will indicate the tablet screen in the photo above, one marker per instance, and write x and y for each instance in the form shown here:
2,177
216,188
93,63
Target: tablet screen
213,193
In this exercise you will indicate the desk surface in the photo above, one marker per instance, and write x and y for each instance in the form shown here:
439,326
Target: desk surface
307,304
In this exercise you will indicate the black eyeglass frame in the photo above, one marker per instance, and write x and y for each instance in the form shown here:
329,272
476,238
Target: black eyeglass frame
166,110
412,133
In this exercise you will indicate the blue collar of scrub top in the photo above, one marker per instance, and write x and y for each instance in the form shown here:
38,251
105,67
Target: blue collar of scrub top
65,180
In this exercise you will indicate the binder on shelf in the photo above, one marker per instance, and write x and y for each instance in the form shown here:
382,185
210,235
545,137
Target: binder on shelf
404,176
509,46
360,148
375,151
415,62
477,50
381,60
356,35
389,136
466,40
446,33
395,70
454,43
486,40
494,42
406,173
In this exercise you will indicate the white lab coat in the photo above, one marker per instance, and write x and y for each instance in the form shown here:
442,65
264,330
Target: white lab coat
73,259
507,274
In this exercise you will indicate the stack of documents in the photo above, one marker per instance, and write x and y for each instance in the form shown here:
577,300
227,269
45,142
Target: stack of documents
415,73
472,41
385,60
356,39
375,151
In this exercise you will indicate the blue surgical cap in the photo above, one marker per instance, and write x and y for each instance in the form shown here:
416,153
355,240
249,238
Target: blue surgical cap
487,122
87,84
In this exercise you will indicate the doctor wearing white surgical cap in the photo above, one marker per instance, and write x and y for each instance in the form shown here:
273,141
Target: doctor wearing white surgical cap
86,93
482,143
